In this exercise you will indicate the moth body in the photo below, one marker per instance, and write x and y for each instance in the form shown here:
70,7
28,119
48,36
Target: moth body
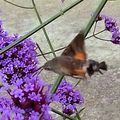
73,61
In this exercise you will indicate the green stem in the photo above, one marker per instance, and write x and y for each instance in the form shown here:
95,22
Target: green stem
51,51
56,84
60,113
64,118
18,5
97,36
81,110
93,17
77,114
44,30
39,27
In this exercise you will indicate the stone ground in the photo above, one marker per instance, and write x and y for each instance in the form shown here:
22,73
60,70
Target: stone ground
101,92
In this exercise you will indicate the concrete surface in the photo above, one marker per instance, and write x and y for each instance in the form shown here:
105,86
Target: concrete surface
101,92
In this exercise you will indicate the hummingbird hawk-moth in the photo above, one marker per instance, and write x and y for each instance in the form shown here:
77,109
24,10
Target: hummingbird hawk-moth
73,61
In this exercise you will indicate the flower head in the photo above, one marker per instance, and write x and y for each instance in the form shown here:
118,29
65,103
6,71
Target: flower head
30,96
111,24
19,61
7,109
116,37
68,97
33,101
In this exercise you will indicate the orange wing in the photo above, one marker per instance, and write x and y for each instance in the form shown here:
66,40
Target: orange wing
76,48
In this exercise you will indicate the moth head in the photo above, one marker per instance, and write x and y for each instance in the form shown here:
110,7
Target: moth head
48,65
95,66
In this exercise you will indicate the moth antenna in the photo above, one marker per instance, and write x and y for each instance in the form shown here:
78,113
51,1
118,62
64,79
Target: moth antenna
41,52
36,71
40,70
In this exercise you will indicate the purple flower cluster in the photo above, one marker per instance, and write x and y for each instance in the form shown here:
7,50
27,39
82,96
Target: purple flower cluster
111,26
33,97
7,108
116,37
18,62
30,97
68,97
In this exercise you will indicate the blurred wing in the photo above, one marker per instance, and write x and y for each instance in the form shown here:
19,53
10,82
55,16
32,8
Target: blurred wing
76,48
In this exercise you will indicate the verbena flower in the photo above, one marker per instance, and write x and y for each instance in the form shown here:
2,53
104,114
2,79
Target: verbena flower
111,24
116,37
30,97
8,110
18,62
68,97
33,99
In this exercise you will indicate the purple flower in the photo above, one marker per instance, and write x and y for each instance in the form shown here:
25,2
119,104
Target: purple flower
18,82
30,96
17,93
45,115
5,107
116,37
111,24
68,97
35,97
34,115
19,60
29,102
28,87
18,113
8,110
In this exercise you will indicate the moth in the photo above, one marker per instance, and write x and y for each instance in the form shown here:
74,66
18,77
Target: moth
73,61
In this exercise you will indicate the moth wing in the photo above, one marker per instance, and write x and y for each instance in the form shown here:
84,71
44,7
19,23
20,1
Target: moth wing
76,48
